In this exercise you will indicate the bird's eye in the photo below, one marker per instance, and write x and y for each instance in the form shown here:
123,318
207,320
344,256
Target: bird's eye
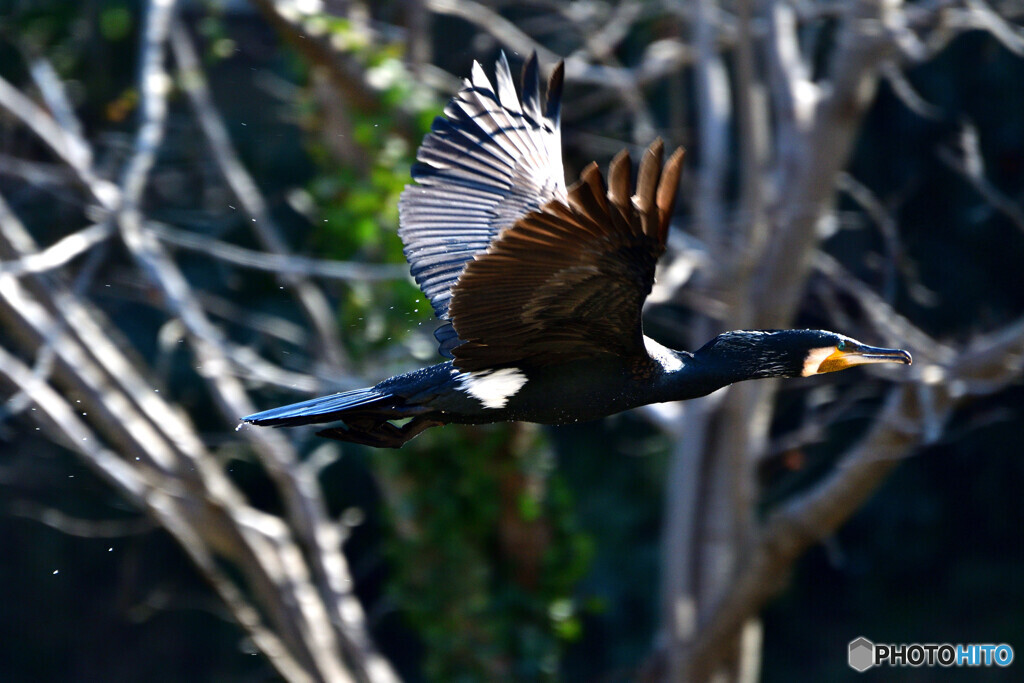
841,346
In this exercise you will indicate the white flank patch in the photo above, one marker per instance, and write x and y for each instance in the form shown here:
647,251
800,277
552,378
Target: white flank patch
663,355
493,388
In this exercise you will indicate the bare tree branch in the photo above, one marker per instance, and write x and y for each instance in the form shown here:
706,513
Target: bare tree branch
494,24
867,200
970,165
59,253
985,18
886,321
815,124
903,424
284,264
897,80
823,144
311,630
157,438
714,112
71,149
158,498
752,138
74,526
601,46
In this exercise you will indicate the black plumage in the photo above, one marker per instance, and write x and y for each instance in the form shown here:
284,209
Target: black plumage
540,288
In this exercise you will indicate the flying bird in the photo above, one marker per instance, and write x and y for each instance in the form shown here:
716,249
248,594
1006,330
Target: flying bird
540,287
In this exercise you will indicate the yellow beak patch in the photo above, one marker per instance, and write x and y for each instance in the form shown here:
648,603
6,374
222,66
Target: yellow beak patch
832,359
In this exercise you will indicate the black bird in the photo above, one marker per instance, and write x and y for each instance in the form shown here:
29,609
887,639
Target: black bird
540,287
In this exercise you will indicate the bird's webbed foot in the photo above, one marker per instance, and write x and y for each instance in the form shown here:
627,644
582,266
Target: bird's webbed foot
378,433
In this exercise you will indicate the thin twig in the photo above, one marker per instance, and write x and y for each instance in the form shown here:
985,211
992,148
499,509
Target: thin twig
893,326
714,108
71,149
906,93
887,227
77,526
752,122
493,24
59,253
284,264
1011,37
49,84
970,166
35,172
601,46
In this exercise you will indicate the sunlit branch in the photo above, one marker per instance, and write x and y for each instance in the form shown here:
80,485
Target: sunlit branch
284,264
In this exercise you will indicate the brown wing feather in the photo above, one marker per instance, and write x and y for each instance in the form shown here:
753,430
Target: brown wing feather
569,281
492,158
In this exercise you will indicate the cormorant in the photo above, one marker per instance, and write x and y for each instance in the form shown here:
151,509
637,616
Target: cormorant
540,287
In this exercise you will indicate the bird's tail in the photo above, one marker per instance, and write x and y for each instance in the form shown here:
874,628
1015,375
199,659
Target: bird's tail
366,414
322,409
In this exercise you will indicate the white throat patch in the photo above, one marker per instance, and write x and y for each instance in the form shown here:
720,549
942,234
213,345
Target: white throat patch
662,355
814,359
493,388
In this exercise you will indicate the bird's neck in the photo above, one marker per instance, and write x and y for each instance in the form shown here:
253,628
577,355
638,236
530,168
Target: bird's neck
716,365
697,379
748,354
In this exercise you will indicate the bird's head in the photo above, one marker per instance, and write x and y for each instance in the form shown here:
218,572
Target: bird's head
792,353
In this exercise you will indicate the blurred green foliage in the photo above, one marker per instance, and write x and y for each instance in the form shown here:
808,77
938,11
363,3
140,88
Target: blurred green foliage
357,203
485,551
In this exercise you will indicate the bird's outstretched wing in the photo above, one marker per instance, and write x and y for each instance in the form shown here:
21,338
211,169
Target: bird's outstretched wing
569,280
492,158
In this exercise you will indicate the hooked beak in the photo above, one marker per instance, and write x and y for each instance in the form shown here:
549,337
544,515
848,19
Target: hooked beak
861,354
